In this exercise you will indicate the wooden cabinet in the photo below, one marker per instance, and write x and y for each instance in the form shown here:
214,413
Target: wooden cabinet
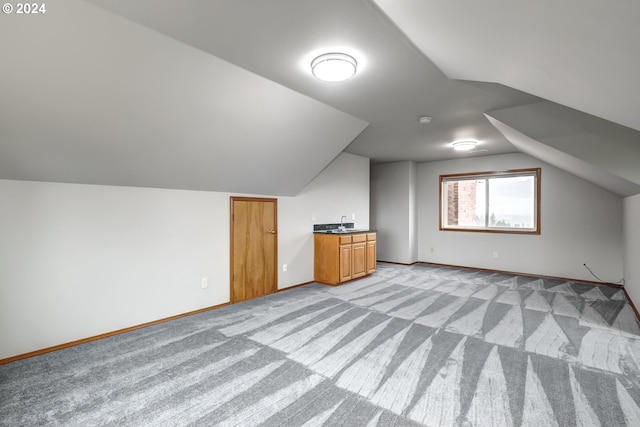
371,253
359,256
340,258
346,257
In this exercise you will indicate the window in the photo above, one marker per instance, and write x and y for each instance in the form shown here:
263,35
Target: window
499,202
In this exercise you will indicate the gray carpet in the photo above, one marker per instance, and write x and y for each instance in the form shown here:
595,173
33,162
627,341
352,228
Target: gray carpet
408,346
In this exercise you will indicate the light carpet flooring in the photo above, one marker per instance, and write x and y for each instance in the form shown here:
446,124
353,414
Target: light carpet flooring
408,346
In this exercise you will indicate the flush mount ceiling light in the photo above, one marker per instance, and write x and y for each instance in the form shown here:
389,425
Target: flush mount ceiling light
464,145
334,67
425,120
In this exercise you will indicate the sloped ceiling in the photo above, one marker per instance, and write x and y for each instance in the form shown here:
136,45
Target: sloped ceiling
580,57
89,97
600,143
581,54
572,164
394,86
218,95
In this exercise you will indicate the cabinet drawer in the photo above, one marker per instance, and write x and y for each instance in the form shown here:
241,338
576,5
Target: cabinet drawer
371,236
345,240
357,238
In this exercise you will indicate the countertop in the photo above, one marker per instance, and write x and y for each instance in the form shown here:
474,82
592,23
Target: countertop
347,231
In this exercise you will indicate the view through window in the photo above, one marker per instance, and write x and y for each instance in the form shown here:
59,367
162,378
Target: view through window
506,202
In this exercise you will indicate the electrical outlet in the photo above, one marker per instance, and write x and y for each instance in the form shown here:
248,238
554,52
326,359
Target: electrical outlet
495,254
353,217
204,282
284,267
431,250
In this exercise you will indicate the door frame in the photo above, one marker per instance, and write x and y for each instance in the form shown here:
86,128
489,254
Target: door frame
275,241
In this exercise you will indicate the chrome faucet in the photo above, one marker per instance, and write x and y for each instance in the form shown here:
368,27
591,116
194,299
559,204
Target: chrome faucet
343,218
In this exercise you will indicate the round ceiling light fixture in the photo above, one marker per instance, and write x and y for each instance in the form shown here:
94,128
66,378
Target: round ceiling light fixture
334,67
425,120
464,145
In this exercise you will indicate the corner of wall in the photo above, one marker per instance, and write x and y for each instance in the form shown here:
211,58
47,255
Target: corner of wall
631,230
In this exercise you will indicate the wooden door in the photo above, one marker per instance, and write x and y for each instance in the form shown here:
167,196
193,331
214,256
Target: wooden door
359,257
345,262
371,257
372,254
254,247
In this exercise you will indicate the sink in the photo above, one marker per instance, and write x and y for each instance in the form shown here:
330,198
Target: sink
337,231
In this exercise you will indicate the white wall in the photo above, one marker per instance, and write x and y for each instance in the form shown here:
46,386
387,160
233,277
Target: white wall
580,223
632,247
341,189
413,212
81,260
394,210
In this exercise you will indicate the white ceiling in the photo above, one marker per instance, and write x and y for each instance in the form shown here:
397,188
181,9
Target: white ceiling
581,54
394,86
598,142
91,98
572,164
218,95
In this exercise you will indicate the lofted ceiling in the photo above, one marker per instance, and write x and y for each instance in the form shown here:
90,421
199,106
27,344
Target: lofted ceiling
218,95
395,84
89,97
567,138
581,54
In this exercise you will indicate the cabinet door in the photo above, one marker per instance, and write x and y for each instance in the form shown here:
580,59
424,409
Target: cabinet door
345,263
371,256
359,256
